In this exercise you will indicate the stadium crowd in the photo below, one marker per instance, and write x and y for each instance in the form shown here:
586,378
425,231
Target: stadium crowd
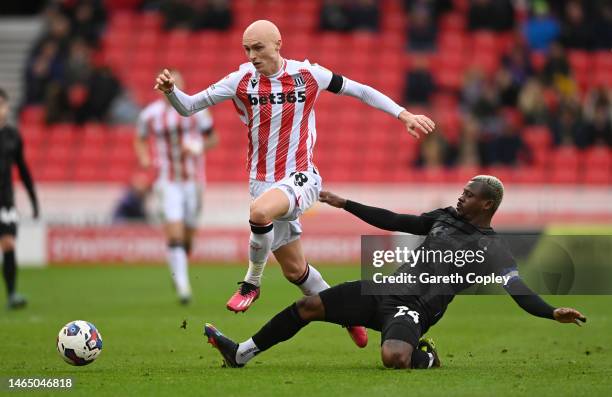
534,83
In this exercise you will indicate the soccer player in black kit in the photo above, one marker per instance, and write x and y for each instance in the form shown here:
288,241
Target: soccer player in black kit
11,153
404,316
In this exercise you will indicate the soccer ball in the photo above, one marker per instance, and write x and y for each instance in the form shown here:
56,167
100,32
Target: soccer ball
79,342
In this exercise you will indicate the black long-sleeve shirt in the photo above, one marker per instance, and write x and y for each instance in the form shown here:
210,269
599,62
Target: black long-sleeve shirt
11,153
445,224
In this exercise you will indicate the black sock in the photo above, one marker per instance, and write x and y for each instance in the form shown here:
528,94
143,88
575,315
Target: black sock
9,271
419,359
282,327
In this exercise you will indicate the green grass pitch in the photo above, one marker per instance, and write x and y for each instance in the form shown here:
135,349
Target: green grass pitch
487,344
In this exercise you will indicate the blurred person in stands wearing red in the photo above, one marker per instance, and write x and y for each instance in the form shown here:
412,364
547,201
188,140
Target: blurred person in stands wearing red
11,154
274,98
179,143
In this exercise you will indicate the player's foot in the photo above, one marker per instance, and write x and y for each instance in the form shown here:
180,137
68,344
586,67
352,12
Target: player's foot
428,345
16,301
225,345
359,335
185,300
242,299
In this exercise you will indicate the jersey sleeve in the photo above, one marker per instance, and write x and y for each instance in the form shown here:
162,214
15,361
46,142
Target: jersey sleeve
216,93
322,76
388,220
500,259
204,122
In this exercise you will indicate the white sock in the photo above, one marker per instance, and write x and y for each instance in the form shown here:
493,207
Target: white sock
431,360
177,261
312,282
259,250
246,351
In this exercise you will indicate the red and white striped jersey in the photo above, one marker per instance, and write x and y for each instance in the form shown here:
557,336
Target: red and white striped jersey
278,111
170,131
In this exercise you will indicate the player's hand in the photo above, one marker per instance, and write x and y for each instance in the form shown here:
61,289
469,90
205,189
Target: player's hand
164,82
568,315
414,122
332,199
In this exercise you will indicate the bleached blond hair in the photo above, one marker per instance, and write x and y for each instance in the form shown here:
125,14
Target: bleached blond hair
493,188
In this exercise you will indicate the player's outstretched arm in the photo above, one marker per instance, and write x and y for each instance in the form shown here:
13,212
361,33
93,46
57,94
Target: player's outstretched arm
380,217
186,104
378,100
533,304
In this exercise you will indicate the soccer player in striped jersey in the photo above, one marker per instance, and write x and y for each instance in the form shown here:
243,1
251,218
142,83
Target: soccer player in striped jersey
274,98
179,146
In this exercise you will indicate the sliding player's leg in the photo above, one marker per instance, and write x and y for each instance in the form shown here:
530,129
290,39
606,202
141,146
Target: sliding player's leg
343,304
301,273
402,326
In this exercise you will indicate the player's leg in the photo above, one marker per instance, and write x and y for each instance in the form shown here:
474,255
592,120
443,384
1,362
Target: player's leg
9,269
297,270
264,209
172,201
343,304
301,273
401,330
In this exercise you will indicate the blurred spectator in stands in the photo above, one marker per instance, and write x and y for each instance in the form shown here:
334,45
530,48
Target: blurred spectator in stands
598,116
603,26
434,152
88,19
215,15
364,15
57,29
541,28
508,89
468,151
576,31
86,92
532,103
334,16
471,89
422,30
177,14
419,82
567,125
557,66
508,148
598,131
518,62
45,67
131,207
435,7
497,15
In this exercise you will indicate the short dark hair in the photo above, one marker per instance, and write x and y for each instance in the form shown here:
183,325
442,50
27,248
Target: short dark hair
3,94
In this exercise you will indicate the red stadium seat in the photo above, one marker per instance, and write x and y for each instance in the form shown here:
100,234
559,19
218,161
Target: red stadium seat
529,175
537,137
598,158
33,115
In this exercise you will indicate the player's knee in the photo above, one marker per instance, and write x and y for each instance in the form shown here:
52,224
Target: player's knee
293,272
395,358
258,214
310,308
7,244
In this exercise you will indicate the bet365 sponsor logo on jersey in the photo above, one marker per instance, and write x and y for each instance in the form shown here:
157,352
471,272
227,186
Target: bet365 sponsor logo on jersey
278,98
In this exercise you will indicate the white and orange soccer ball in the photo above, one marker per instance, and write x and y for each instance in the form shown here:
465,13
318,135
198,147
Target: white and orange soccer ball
79,342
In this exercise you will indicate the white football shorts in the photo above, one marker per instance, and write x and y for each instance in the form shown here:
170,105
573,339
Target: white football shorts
302,189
